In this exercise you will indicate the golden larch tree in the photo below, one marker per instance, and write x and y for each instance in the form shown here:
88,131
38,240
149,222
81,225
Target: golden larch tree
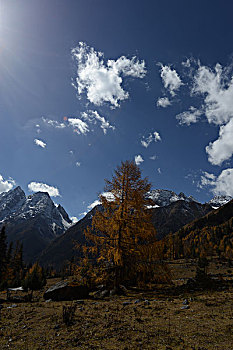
122,234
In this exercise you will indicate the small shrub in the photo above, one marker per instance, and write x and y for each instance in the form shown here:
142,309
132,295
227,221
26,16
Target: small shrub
68,314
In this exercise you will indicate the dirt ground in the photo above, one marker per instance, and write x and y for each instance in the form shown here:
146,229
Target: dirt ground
140,320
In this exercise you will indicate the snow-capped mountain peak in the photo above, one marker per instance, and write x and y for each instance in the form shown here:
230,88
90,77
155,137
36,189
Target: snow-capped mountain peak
219,201
165,197
15,207
11,202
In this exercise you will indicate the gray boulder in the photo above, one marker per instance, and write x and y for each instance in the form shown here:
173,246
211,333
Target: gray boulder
66,291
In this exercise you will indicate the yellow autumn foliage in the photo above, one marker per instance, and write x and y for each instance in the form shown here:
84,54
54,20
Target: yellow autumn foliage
122,232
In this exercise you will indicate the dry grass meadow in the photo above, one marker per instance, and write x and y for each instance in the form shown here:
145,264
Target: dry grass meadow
162,318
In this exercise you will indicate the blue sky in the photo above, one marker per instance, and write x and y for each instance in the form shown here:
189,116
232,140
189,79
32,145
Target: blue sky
87,84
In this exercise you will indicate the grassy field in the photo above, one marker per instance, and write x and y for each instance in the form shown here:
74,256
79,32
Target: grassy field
160,319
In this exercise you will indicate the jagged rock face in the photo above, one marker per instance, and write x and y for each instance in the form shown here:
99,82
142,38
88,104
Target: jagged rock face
219,201
34,220
40,204
15,207
11,202
162,198
64,214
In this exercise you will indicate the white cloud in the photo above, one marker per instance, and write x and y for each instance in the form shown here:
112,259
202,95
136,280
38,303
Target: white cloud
6,185
159,171
54,123
163,102
102,81
40,143
83,214
217,90
214,86
209,176
222,148
221,185
128,67
94,117
138,159
78,163
108,195
94,204
206,179
38,129
41,187
189,117
157,136
146,141
171,79
74,219
153,157
186,63
79,126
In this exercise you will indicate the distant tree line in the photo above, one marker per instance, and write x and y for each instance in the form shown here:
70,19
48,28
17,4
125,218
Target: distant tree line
11,262
13,271
198,241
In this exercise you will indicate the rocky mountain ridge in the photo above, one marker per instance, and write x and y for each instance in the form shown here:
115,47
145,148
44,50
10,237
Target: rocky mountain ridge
162,198
46,230
179,211
219,201
34,220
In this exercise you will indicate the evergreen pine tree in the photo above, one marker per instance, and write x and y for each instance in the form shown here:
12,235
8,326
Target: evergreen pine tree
17,264
3,255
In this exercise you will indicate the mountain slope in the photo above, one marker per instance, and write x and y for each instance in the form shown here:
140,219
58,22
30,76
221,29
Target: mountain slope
34,220
172,217
214,218
165,219
212,234
62,248
46,230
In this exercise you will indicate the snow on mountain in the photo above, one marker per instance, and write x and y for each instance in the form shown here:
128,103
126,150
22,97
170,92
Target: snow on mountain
165,197
162,198
15,207
11,202
64,214
33,220
219,201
